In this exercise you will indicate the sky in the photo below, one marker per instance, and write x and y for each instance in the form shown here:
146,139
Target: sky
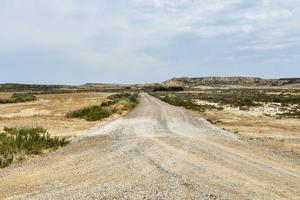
142,41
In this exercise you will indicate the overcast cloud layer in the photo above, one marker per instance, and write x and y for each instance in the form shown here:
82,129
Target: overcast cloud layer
132,41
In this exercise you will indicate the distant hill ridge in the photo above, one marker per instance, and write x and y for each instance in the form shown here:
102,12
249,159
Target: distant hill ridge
243,81
17,87
183,81
7,87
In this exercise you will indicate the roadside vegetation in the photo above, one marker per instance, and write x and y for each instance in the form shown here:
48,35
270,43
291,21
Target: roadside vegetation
18,98
171,88
249,97
116,103
175,100
287,101
17,143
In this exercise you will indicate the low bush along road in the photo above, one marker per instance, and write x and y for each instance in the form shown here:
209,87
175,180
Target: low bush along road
158,151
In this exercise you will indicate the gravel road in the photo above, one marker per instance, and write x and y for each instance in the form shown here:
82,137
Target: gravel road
158,151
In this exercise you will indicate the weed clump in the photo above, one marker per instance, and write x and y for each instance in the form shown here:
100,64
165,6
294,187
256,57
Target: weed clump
16,143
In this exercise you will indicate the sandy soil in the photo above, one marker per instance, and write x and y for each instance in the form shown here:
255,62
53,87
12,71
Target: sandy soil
49,112
279,135
158,151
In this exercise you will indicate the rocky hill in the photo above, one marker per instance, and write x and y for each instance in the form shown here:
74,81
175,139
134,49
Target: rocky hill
226,81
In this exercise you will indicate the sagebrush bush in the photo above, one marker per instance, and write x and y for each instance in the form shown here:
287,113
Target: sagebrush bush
15,143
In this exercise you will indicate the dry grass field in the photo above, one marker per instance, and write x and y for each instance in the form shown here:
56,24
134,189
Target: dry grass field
49,112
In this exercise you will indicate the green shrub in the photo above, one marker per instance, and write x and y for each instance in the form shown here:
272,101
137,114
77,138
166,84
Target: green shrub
22,97
17,142
97,114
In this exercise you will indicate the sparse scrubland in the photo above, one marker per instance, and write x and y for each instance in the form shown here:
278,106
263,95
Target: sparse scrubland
18,98
175,100
116,103
268,118
26,139
17,143
286,101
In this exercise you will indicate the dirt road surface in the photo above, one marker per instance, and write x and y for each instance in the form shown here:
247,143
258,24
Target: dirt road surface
158,151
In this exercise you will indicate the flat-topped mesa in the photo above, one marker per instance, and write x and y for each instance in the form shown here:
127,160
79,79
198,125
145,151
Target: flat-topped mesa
214,81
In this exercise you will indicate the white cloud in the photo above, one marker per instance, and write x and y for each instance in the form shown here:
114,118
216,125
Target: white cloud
145,34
